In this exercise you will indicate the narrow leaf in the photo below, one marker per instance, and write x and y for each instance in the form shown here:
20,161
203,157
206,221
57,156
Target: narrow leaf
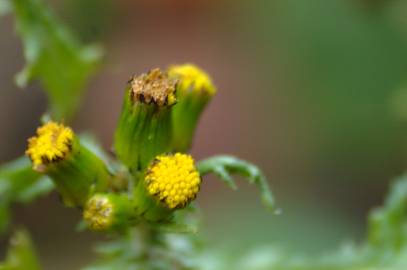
225,166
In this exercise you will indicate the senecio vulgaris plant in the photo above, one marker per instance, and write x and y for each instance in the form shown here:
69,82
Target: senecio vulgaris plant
143,196
153,176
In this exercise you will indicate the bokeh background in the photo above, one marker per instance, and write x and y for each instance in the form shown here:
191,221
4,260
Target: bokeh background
313,91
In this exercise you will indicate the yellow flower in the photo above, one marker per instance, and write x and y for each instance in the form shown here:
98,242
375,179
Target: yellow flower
109,211
52,143
173,179
192,78
98,212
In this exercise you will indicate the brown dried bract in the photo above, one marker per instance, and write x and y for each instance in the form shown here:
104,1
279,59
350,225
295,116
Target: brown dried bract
153,87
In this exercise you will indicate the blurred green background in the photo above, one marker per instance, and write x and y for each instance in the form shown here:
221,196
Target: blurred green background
313,91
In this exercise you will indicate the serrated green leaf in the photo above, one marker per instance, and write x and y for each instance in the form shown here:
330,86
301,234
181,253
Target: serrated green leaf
21,254
53,57
225,166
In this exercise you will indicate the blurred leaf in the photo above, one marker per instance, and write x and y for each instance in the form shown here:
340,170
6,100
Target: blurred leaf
123,253
4,7
135,250
398,102
93,144
92,19
388,224
53,57
113,264
178,228
183,221
42,186
385,248
225,166
21,254
19,183
4,216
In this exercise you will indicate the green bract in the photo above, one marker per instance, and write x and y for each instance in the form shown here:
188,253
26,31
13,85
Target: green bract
109,212
194,91
144,128
76,171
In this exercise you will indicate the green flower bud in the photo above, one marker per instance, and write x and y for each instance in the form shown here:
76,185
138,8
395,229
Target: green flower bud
76,172
194,90
145,128
170,183
108,212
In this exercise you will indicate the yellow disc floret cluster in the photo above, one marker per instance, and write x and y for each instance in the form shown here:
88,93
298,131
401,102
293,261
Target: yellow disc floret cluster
173,179
192,78
98,213
52,143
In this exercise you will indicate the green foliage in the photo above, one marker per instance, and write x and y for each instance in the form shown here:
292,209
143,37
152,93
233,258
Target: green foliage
53,57
170,252
21,254
387,225
224,166
63,67
385,247
4,7
19,183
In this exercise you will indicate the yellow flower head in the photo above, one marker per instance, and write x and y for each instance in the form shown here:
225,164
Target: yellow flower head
153,87
192,78
98,212
52,143
173,179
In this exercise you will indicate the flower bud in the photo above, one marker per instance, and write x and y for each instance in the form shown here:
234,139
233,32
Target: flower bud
145,128
170,183
108,212
76,171
194,90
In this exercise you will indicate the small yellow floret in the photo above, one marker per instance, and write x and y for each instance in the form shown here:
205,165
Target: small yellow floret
52,143
192,78
173,179
98,213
